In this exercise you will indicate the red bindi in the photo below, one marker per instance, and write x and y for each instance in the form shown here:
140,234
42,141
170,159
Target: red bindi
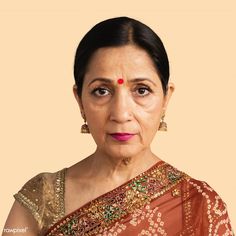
120,81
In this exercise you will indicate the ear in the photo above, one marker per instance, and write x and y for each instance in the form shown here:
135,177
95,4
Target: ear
170,90
78,99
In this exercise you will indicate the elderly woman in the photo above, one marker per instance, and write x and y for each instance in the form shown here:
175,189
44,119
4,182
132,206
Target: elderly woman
121,74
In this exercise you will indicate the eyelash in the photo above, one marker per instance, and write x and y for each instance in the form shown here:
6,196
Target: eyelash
103,88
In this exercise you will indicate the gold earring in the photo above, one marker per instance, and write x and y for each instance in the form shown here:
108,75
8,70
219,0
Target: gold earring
163,125
84,128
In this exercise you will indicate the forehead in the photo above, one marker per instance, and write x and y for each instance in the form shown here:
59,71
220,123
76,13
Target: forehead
123,60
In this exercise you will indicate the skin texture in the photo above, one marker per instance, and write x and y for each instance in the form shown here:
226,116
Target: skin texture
115,108
122,108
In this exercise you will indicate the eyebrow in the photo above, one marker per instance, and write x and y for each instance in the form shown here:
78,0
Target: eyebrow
110,81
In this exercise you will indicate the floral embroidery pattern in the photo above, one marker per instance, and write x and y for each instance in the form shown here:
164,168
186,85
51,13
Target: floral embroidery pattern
104,212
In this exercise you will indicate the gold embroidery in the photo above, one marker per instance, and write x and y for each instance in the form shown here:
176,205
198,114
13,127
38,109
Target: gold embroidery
176,192
43,196
187,207
98,215
29,204
59,195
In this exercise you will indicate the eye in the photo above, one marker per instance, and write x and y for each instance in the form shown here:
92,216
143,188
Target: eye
144,91
99,91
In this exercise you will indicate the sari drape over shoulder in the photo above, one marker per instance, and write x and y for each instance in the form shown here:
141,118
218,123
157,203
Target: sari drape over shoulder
160,201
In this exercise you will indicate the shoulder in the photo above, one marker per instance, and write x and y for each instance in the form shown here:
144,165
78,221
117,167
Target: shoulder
209,211
198,191
33,189
31,193
205,193
202,189
40,195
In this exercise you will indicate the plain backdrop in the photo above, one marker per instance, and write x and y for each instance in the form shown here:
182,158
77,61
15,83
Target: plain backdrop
40,119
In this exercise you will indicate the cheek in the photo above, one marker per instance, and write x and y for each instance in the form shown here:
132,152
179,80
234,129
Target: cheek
151,109
149,116
95,113
91,107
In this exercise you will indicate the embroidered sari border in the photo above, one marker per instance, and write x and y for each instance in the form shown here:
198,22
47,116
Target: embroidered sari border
107,209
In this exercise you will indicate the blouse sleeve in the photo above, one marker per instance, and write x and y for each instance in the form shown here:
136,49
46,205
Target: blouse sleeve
31,196
43,197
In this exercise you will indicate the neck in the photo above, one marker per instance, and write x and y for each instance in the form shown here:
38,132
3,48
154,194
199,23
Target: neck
119,170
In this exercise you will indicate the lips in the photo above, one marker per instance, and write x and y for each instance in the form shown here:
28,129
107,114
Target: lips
122,136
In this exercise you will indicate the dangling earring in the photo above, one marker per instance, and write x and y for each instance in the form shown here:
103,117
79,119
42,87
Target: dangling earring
163,125
84,128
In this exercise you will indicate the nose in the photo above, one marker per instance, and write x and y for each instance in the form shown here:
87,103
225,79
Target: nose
121,107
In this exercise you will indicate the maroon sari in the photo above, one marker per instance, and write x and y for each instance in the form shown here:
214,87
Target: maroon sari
160,201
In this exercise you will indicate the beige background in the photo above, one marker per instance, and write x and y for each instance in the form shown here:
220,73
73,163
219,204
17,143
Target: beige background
40,119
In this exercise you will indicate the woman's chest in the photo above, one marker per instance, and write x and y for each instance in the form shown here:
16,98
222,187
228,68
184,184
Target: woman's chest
78,193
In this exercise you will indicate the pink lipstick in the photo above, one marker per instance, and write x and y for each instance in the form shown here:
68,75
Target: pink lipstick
122,136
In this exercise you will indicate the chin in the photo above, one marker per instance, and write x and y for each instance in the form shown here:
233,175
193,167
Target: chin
122,151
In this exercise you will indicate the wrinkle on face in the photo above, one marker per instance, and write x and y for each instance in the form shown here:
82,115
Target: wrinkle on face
122,109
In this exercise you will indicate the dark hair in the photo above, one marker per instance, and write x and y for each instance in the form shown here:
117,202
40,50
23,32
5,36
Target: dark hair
120,31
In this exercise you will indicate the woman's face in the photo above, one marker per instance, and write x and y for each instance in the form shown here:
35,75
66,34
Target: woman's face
134,106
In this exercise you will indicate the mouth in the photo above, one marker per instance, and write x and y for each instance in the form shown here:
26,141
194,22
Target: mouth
122,136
